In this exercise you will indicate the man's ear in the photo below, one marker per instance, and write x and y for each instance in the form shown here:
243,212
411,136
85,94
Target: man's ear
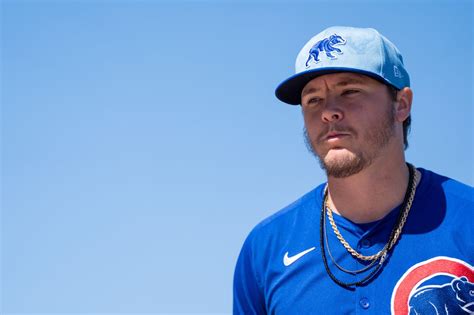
403,104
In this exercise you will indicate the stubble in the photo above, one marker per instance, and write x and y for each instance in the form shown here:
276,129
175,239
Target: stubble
353,162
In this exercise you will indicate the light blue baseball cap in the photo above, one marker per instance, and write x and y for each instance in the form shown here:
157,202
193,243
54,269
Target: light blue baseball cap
345,49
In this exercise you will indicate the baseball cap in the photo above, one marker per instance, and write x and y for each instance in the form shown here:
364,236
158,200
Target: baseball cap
345,49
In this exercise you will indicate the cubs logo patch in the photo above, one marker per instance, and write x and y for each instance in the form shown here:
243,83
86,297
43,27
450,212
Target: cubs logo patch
441,285
325,45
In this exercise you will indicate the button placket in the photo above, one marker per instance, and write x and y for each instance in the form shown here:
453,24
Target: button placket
365,243
364,303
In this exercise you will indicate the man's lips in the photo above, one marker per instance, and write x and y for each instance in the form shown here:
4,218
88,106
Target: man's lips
334,135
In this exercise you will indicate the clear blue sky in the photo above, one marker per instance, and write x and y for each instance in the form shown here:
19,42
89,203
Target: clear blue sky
141,140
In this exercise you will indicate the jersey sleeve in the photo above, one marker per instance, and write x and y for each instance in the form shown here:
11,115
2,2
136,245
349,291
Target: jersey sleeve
248,294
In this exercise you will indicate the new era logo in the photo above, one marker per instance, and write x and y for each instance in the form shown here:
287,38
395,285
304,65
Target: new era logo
396,72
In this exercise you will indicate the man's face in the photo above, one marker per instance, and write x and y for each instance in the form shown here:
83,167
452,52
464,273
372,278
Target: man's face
349,120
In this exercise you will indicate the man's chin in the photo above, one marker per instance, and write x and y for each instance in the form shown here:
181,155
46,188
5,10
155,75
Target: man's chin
339,156
338,152
342,163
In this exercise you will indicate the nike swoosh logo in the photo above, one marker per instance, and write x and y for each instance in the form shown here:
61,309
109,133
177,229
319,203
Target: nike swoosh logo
289,260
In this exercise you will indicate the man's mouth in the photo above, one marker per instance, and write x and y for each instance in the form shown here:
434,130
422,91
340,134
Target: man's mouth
335,135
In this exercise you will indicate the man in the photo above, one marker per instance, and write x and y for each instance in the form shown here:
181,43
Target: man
381,236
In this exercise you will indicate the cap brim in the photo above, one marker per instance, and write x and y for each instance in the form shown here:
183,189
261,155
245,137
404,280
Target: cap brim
289,91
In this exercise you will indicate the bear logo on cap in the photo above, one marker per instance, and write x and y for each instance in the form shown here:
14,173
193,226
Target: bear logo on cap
325,45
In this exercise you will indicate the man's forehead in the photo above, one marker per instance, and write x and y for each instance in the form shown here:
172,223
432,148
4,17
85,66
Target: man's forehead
335,79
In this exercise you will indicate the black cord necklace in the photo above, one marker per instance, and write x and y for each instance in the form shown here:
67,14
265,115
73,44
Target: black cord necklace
411,183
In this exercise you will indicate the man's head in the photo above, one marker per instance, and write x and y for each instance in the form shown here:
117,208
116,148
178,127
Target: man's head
352,119
355,96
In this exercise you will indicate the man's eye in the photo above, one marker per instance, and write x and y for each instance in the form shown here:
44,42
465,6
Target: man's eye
314,101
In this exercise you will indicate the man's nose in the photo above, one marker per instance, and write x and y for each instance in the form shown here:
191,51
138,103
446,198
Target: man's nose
332,112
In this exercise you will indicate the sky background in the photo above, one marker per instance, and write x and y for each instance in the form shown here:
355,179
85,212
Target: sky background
141,140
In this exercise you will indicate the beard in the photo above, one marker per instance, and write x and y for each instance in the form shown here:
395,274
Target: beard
352,163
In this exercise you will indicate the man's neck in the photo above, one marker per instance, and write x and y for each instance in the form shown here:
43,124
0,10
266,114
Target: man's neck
370,194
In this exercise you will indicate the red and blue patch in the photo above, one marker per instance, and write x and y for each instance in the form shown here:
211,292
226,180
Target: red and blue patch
441,285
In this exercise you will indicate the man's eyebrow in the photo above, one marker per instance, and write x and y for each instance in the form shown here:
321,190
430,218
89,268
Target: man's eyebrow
309,90
348,81
343,82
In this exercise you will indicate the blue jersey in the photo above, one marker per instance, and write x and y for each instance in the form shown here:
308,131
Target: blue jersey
280,269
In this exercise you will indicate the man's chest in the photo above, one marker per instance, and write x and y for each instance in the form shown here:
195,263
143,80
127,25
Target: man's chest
421,272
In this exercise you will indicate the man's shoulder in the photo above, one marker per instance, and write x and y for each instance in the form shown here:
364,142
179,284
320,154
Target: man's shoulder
451,188
288,217
302,204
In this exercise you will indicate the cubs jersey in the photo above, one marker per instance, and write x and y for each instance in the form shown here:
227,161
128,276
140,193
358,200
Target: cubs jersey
280,269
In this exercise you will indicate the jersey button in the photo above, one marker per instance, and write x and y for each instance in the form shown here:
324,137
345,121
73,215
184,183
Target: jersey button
364,302
365,243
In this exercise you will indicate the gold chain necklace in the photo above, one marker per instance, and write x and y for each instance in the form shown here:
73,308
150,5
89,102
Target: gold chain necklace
397,229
